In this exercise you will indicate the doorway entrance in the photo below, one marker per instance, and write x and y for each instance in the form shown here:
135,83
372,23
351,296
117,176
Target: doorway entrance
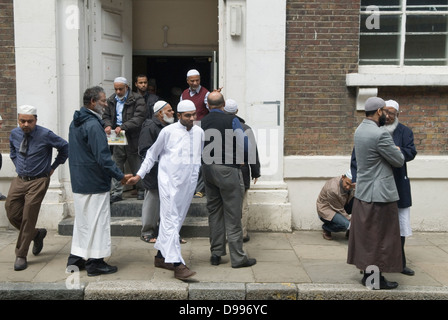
168,73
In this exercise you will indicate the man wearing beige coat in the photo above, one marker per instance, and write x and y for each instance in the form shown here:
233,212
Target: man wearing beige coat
374,242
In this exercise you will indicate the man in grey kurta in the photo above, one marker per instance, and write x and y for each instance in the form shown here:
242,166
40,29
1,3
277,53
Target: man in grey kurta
374,242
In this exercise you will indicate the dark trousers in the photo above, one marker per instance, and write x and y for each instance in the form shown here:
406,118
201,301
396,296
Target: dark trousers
224,189
22,209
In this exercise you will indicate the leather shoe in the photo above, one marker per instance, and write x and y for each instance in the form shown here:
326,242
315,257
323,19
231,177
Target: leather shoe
114,199
215,260
20,264
160,263
100,268
181,272
246,238
407,271
327,235
384,284
39,241
250,262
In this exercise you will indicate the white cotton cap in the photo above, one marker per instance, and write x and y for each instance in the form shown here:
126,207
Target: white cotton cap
348,174
193,72
231,106
27,109
159,105
121,80
392,103
185,106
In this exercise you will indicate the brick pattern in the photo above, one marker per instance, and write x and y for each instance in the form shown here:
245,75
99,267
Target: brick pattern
8,103
321,48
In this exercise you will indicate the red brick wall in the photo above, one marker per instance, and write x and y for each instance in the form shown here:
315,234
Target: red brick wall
321,48
7,74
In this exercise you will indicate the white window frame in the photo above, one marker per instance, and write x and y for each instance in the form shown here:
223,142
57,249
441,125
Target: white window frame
369,77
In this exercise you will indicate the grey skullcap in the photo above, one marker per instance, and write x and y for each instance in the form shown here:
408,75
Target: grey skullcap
374,103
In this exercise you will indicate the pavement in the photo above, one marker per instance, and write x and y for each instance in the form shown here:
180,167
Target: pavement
300,265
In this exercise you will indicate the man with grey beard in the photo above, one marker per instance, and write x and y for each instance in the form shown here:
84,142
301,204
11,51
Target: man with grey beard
403,138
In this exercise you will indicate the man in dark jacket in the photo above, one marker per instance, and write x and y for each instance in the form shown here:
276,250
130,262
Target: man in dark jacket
250,169
163,116
125,111
91,170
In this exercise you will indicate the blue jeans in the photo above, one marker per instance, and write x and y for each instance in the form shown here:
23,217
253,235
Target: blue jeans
337,224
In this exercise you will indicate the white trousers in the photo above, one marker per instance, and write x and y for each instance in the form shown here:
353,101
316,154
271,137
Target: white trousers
91,231
404,216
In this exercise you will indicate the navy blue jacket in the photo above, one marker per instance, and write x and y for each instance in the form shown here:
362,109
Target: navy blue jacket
90,162
404,138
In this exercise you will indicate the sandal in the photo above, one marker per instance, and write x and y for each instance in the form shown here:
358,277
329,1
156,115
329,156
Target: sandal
182,241
148,239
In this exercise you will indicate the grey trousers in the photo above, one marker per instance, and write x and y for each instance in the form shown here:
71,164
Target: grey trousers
151,213
120,156
224,190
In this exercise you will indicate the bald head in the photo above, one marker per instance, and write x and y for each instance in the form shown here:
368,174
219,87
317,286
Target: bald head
215,100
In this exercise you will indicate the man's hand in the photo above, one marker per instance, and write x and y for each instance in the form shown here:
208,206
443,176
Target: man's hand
107,129
133,180
126,178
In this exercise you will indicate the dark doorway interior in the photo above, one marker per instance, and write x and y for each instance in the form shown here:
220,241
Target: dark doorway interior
170,73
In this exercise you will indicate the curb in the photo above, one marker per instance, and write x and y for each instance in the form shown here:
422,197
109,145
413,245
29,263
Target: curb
148,290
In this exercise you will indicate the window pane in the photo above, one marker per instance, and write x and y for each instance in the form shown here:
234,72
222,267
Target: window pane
427,5
426,23
425,50
386,23
379,49
386,5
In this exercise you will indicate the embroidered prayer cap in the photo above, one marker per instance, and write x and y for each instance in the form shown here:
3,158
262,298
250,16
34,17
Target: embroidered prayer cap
348,174
374,103
393,104
27,109
231,106
185,106
159,105
121,80
192,72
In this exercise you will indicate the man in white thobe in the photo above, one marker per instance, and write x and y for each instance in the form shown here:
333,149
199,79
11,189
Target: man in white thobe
178,149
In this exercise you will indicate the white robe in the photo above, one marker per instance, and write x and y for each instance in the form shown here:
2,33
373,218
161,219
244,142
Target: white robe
179,154
91,230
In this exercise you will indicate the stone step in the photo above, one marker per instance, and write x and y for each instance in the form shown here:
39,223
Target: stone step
126,219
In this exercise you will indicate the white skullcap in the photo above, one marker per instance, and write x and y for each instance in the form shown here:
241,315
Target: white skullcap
121,80
185,106
159,105
348,174
27,109
231,106
193,72
392,103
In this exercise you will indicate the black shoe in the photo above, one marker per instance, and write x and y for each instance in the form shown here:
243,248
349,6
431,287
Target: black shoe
39,241
246,238
407,271
100,268
115,199
248,263
215,260
20,264
384,284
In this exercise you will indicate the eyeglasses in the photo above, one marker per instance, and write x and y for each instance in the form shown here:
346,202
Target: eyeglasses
390,113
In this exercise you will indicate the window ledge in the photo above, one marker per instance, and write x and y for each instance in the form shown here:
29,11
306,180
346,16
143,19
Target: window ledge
380,76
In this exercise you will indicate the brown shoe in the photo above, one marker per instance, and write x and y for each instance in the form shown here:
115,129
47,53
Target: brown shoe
327,235
160,263
20,264
182,272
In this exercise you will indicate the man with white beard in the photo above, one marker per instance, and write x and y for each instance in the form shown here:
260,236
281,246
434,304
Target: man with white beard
178,150
403,138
